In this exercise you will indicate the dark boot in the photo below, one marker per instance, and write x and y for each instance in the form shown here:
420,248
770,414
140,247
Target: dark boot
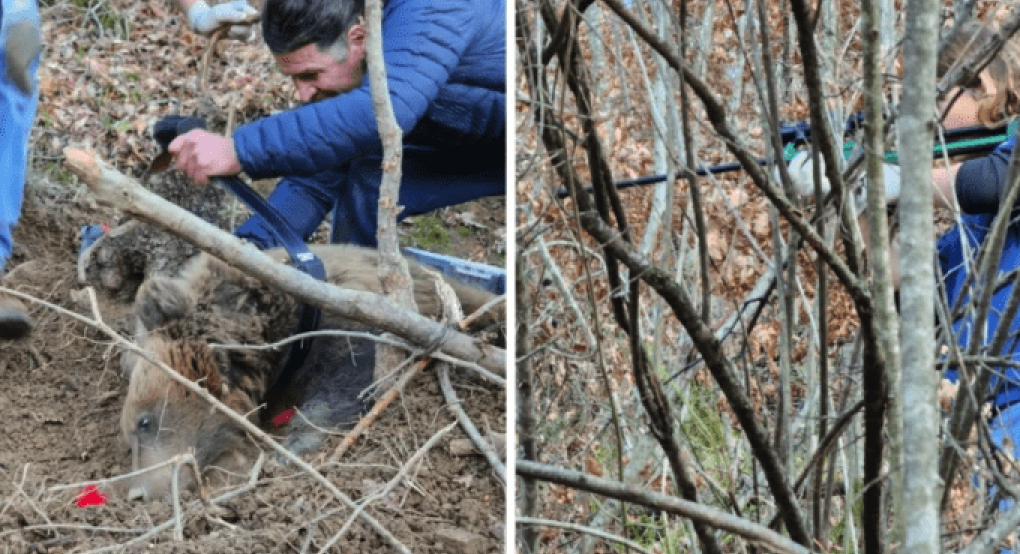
14,320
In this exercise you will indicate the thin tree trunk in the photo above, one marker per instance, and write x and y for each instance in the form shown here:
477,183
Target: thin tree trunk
526,412
393,272
920,413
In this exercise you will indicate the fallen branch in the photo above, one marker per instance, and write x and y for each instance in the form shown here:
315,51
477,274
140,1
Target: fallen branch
714,517
481,371
113,188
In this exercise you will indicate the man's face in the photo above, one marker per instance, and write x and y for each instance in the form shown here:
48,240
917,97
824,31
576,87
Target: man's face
318,75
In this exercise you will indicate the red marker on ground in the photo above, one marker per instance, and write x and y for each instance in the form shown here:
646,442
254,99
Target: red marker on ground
90,496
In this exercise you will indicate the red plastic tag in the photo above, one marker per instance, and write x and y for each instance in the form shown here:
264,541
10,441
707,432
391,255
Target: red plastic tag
283,417
90,496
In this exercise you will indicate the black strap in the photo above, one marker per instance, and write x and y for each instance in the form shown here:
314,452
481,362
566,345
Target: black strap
305,260
169,128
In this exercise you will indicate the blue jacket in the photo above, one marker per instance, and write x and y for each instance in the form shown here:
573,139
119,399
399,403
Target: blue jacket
982,181
446,69
979,186
956,263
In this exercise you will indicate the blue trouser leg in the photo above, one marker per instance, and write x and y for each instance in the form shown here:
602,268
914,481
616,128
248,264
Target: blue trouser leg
430,179
17,111
1006,426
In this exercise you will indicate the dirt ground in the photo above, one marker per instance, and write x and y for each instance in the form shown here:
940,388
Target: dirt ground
62,395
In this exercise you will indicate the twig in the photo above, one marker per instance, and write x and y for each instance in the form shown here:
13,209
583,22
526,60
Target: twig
404,470
380,406
203,70
168,523
470,430
175,492
481,371
70,527
111,480
523,520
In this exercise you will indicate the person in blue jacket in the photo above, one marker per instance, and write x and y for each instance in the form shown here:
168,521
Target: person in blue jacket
446,67
974,188
20,45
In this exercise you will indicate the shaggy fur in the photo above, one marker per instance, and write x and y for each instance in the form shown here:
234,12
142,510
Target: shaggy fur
210,302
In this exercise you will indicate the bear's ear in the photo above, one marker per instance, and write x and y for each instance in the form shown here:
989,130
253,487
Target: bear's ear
160,300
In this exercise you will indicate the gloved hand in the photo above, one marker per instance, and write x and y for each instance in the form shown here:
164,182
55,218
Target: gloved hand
22,46
22,42
891,173
237,14
172,126
891,176
802,175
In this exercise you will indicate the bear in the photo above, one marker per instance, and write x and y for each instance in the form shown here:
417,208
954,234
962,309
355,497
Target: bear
176,319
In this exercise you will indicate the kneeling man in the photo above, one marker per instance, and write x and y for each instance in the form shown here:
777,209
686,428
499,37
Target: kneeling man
445,64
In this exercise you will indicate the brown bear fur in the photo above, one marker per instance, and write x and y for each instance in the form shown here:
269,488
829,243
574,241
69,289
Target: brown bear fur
212,303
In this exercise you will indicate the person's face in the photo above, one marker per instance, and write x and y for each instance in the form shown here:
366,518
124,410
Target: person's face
318,75
964,111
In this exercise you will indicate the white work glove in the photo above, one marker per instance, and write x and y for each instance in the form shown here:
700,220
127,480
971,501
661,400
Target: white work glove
22,41
802,175
891,176
891,173
237,14
23,44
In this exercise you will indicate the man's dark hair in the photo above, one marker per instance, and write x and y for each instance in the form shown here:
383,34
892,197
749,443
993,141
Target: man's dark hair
289,25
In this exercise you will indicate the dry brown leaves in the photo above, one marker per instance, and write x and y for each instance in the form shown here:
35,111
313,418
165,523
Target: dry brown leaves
102,88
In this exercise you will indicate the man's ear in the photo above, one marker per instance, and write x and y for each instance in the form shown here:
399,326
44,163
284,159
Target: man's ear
356,34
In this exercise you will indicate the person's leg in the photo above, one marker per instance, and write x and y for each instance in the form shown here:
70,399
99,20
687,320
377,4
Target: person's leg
430,179
17,111
1005,430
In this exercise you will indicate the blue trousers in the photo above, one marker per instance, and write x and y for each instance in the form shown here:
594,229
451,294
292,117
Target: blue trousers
431,178
1006,426
17,111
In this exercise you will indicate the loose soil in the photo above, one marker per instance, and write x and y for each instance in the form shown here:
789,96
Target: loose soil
63,393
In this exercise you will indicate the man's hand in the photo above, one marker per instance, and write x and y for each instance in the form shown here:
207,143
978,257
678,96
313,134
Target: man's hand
202,155
802,174
236,14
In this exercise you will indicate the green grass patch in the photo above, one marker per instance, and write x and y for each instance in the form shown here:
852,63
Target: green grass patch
428,233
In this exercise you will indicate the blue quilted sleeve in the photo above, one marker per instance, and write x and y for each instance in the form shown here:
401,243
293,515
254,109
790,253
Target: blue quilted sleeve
981,182
423,41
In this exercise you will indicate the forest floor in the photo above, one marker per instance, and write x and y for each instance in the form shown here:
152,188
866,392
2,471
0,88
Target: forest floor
109,71
589,413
